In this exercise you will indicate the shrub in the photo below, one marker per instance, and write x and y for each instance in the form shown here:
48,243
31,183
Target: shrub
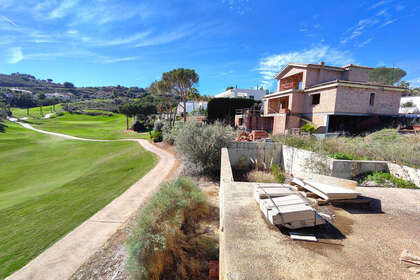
170,133
165,244
261,176
278,173
201,145
158,125
139,126
408,104
156,136
341,156
308,128
385,177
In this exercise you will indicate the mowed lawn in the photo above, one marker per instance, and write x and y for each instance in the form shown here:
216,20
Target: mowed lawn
85,126
35,112
50,185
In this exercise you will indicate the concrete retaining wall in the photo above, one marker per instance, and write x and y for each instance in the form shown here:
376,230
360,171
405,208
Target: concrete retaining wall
241,154
297,161
301,161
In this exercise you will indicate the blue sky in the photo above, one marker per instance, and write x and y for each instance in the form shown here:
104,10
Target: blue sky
228,42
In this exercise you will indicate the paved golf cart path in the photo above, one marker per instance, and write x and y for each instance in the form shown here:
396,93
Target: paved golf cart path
65,256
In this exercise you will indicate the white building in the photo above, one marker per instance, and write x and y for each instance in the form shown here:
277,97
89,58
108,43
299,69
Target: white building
191,106
242,93
410,105
57,94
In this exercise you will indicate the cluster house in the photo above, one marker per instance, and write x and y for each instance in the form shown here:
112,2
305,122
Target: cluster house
332,98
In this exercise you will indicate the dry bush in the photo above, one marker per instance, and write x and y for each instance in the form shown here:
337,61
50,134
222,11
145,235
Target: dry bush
261,176
386,144
165,243
200,144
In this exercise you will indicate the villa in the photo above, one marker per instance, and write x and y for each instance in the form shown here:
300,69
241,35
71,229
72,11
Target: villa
256,94
329,97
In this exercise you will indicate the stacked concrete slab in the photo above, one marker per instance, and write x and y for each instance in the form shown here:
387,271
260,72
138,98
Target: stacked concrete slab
284,207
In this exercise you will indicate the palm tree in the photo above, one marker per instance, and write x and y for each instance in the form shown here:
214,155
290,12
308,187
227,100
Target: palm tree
193,95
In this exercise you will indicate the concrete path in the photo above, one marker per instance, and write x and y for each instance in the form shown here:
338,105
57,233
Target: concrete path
64,257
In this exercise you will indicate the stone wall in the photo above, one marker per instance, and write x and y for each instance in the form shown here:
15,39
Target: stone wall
241,154
405,172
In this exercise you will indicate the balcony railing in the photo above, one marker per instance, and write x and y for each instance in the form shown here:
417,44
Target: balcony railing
294,85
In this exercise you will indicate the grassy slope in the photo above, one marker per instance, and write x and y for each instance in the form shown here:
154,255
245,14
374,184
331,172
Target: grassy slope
93,127
50,185
34,112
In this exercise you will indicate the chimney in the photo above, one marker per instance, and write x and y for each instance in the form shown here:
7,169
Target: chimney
322,63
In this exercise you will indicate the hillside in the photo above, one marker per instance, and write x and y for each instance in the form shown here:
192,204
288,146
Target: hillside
18,82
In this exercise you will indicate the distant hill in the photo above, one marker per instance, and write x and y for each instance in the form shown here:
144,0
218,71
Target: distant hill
26,82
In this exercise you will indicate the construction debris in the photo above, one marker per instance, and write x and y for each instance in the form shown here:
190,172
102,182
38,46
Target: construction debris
282,206
327,192
410,261
244,136
303,237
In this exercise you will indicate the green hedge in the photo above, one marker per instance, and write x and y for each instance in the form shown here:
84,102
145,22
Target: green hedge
223,109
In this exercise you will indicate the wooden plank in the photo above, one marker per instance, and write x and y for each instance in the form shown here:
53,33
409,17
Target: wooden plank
353,201
345,183
318,201
332,192
273,192
290,213
308,194
303,237
299,182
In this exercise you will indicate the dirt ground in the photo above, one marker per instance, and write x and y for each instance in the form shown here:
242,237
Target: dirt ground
108,263
362,242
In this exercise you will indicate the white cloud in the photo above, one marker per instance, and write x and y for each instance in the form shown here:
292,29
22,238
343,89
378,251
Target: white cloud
122,41
359,28
121,59
63,9
15,55
414,82
8,20
271,65
365,42
166,38
380,3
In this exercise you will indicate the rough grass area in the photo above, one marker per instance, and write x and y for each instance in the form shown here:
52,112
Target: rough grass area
386,144
85,126
385,179
165,243
50,185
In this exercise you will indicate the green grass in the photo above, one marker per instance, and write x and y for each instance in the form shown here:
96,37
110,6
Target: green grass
85,126
34,112
384,178
50,185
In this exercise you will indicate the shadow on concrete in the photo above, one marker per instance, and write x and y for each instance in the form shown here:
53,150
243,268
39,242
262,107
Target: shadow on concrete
325,231
374,207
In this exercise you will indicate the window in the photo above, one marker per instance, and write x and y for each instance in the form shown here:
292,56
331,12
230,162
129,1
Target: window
251,97
316,98
372,99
